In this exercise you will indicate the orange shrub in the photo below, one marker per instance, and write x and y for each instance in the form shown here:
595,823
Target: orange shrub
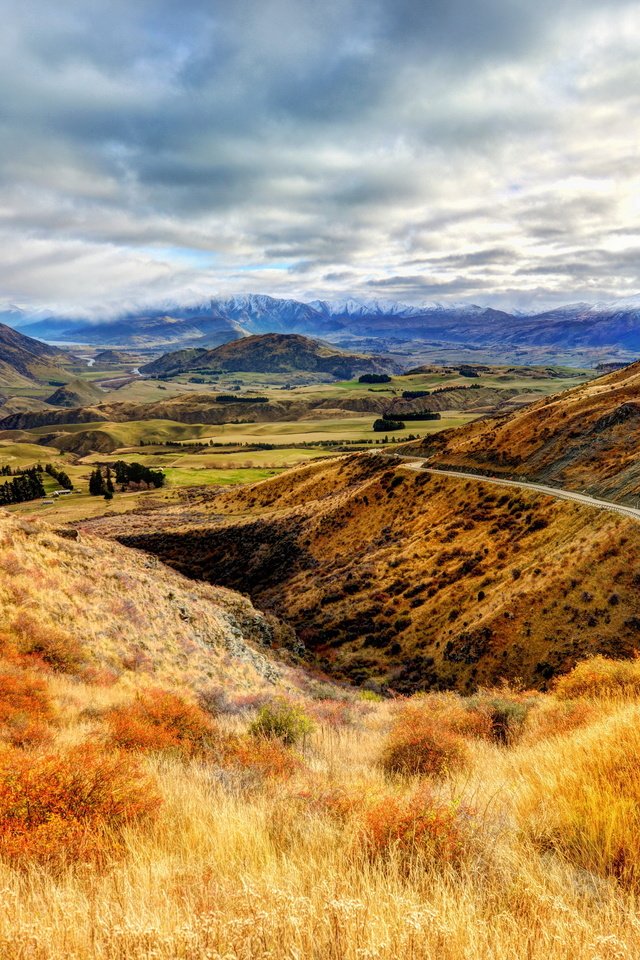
25,708
417,824
70,806
269,758
419,744
413,824
49,646
600,677
159,720
553,718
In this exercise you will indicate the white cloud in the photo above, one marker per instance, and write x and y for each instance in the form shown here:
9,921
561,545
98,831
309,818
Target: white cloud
483,149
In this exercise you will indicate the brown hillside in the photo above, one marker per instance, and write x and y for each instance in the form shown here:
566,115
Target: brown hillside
585,439
95,606
410,579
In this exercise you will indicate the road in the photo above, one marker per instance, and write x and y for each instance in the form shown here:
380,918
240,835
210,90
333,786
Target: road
413,463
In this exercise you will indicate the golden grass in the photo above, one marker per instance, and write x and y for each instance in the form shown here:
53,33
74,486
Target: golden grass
528,852
232,866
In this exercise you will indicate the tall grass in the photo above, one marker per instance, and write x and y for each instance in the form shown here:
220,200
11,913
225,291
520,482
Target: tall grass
529,852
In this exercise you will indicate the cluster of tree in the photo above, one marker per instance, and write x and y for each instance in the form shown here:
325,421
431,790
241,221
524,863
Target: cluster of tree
470,386
101,485
374,378
414,394
382,425
127,476
63,478
233,398
24,486
420,415
468,371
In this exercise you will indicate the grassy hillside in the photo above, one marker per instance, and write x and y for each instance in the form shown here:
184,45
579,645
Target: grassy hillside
401,578
585,439
139,820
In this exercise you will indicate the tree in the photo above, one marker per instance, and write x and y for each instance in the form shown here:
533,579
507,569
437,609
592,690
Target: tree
96,483
109,482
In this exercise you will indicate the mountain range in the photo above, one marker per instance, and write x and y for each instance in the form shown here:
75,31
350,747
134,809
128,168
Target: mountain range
614,324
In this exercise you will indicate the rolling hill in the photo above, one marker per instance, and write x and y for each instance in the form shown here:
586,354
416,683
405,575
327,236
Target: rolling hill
76,393
396,577
585,439
272,353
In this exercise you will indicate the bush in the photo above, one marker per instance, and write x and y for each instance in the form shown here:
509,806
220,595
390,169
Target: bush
268,758
418,744
159,720
281,720
70,806
505,712
48,646
406,825
554,718
600,677
25,708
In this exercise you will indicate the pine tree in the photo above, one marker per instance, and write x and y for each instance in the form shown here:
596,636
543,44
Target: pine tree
109,482
96,483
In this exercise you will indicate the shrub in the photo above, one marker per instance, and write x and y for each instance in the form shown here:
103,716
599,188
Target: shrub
416,824
505,712
281,720
25,708
418,744
600,677
50,646
410,824
554,718
332,713
268,758
70,806
159,720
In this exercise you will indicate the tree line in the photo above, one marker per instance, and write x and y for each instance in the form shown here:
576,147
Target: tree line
25,485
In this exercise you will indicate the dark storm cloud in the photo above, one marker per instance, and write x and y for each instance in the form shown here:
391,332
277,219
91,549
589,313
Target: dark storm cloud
338,143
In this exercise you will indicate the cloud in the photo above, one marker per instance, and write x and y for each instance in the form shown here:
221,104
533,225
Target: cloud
426,147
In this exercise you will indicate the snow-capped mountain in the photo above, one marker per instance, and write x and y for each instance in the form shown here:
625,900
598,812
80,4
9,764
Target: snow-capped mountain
614,324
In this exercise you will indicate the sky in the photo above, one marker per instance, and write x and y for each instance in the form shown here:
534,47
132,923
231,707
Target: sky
484,151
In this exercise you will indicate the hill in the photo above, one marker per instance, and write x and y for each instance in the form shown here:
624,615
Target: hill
397,577
272,353
76,393
585,439
93,606
23,359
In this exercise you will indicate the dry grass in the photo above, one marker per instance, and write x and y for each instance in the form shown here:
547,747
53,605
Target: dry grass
530,852
196,839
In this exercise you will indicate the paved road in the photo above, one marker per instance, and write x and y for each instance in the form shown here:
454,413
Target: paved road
413,463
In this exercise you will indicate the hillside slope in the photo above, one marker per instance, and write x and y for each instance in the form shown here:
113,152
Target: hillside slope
100,607
415,581
272,353
585,439
76,393
23,359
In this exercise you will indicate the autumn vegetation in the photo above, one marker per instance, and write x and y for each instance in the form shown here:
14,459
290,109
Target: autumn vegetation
174,784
